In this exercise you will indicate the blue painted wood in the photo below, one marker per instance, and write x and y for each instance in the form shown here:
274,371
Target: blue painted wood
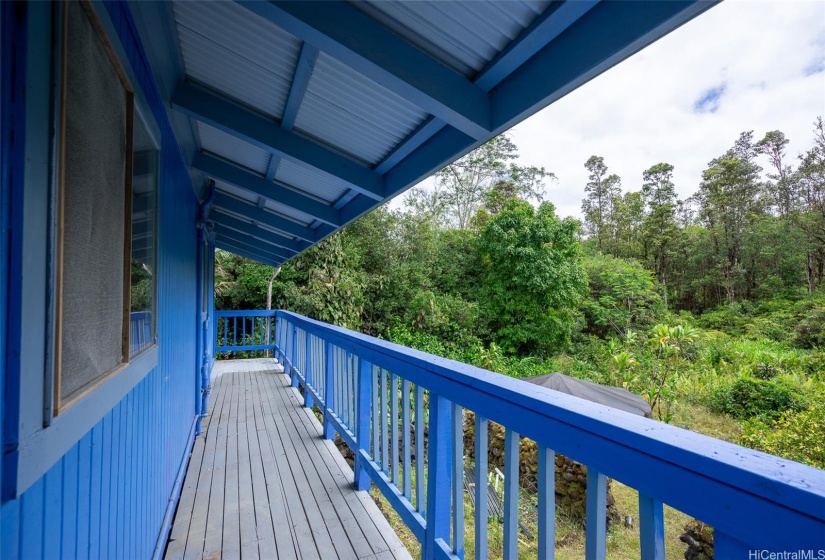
300,83
364,44
604,36
547,27
595,546
657,459
725,546
651,528
481,502
546,503
308,372
90,502
510,506
406,459
420,423
329,391
294,355
232,119
376,425
270,240
458,480
385,455
439,473
362,425
226,202
394,429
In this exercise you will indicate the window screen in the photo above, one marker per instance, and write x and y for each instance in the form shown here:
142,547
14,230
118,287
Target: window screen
94,207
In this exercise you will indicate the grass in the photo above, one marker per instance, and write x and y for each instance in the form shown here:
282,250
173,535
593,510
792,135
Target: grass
622,542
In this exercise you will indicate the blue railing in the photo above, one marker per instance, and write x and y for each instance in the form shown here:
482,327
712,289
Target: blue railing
140,331
244,331
375,394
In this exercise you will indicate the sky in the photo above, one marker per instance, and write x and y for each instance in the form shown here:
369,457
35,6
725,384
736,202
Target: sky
743,65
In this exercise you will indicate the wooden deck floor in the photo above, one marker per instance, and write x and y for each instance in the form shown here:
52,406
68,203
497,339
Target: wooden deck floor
262,483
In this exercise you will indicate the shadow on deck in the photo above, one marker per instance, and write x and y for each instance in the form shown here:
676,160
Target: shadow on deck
263,483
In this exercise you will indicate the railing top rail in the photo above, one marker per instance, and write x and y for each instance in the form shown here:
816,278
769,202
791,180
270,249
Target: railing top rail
246,313
684,469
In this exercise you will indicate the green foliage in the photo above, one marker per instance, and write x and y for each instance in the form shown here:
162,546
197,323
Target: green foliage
623,296
798,435
533,280
748,397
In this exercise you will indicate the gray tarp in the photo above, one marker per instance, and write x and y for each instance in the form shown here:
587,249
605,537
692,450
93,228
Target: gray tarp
614,397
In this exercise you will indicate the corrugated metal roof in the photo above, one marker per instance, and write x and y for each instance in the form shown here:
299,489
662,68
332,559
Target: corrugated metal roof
463,35
307,180
271,205
216,218
238,53
354,114
233,149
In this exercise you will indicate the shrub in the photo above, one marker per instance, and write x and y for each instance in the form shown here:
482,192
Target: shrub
796,435
748,397
810,332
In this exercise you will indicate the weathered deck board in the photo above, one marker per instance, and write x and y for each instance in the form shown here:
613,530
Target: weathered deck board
262,483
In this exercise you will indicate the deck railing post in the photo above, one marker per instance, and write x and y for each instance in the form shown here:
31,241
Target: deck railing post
362,424
651,528
439,472
294,357
329,391
308,372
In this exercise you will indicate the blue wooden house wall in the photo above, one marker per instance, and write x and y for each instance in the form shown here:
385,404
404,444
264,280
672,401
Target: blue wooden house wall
108,495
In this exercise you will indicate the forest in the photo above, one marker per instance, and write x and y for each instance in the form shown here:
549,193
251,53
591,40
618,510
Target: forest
711,307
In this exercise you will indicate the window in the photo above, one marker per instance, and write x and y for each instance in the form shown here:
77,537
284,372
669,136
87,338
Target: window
144,228
94,208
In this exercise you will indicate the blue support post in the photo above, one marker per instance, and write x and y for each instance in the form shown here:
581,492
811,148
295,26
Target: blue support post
329,391
362,424
595,547
481,515
439,471
294,357
651,528
308,372
547,503
511,459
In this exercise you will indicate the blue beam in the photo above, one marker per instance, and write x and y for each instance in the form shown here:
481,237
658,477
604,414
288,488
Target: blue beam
246,125
367,46
293,246
435,153
300,83
228,173
548,26
243,241
604,36
237,206
228,246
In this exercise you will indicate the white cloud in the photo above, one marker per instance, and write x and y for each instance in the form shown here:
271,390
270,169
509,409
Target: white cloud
644,110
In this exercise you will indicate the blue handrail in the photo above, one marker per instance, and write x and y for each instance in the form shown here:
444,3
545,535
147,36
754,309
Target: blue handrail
754,501
244,331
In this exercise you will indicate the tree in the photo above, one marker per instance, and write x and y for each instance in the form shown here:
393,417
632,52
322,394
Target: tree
810,184
533,280
730,203
660,229
602,193
487,174
780,188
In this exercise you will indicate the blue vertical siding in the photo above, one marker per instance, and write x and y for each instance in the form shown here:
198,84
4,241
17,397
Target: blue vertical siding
107,496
